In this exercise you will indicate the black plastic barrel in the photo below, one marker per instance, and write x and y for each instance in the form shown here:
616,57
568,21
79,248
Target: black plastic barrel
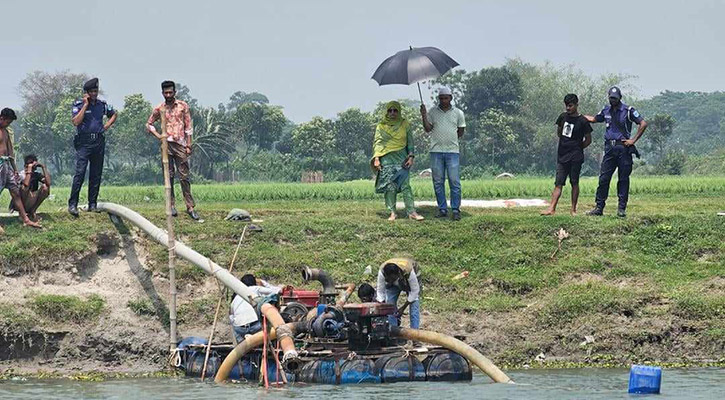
399,368
447,366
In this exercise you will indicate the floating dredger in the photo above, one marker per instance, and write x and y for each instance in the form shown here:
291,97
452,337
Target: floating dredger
336,343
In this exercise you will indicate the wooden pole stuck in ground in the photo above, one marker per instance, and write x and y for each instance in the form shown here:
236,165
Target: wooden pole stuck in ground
170,230
218,307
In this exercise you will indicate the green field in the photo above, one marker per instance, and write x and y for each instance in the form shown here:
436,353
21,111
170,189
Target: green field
658,273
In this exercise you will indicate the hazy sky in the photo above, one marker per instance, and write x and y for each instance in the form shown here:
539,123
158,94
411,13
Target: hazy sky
316,57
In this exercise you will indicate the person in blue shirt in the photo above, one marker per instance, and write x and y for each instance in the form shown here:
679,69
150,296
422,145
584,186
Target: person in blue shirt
618,149
90,143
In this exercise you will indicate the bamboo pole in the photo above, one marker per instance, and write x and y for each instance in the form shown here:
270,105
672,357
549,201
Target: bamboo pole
171,244
218,307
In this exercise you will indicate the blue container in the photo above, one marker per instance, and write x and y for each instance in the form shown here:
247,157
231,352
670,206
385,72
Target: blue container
448,366
645,379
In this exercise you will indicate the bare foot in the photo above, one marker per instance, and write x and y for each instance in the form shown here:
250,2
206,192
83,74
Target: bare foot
32,224
548,211
415,216
34,217
391,217
573,213
2,231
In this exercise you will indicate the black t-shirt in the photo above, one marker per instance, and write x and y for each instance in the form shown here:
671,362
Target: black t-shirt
573,130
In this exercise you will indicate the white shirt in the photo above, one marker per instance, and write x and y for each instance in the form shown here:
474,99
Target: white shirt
412,281
444,136
242,312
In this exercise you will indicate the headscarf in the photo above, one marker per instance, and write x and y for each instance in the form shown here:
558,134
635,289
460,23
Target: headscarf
391,132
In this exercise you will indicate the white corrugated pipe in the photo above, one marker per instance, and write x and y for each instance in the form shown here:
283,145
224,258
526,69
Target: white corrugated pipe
182,250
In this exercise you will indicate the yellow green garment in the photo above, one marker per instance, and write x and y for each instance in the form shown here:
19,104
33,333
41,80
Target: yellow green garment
392,143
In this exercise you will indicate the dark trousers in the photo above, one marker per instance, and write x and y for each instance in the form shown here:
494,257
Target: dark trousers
616,157
88,153
179,161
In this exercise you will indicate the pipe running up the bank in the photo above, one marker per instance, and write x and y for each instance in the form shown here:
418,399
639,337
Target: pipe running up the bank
455,345
182,250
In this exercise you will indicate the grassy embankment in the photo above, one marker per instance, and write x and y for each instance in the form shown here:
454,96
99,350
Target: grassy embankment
613,278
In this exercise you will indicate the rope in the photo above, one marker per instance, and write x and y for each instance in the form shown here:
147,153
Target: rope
264,352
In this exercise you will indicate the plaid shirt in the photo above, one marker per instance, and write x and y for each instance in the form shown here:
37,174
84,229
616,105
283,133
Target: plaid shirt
178,121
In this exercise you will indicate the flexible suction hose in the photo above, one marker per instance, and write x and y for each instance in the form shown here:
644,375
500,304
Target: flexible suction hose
252,342
455,345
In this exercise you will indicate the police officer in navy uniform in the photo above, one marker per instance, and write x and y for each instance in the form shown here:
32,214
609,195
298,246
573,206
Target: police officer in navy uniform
618,149
89,142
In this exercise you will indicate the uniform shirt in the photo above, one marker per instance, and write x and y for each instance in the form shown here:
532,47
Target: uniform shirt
93,118
619,121
242,312
573,131
178,121
412,284
444,136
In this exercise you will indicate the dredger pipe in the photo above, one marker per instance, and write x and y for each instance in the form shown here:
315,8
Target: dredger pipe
182,250
455,345
286,337
252,342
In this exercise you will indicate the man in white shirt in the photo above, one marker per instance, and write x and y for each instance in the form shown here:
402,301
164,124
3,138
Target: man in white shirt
244,318
446,124
400,275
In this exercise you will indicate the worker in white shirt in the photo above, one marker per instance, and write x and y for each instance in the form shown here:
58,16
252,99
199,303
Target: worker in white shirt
243,316
400,275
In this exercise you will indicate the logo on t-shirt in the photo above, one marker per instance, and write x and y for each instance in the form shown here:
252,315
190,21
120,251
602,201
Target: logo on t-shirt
567,129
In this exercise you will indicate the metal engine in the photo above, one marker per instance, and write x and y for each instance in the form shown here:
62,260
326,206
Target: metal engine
368,326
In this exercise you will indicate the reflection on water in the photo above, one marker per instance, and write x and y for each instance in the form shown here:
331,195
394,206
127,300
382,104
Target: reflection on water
702,383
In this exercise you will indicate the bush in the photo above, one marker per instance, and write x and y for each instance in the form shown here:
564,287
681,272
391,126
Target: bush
142,307
673,163
61,308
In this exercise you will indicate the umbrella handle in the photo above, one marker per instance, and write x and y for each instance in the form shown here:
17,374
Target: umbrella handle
420,93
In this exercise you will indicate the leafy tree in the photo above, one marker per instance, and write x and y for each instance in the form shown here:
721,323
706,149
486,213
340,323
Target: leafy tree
496,87
129,142
239,98
658,132
45,127
314,141
257,124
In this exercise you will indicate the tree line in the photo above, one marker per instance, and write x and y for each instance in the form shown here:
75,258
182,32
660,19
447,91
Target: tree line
510,112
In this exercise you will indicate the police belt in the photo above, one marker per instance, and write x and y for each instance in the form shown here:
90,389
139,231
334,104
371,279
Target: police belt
89,137
614,142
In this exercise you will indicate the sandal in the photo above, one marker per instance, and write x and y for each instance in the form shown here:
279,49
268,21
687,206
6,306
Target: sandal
416,217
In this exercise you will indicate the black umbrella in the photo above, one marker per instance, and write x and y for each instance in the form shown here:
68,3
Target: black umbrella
413,65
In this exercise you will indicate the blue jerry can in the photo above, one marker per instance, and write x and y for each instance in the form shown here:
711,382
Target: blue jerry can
645,379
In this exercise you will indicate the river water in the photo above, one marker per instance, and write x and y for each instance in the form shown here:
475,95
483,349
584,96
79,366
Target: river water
700,383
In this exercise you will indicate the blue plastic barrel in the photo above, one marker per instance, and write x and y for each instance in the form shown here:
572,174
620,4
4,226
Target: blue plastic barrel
645,379
447,366
399,368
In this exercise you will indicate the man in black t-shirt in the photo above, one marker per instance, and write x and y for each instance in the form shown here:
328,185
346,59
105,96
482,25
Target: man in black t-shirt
575,134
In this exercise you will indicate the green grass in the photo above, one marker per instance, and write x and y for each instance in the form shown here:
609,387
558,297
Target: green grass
60,308
16,319
141,307
363,190
671,242
573,300
698,304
